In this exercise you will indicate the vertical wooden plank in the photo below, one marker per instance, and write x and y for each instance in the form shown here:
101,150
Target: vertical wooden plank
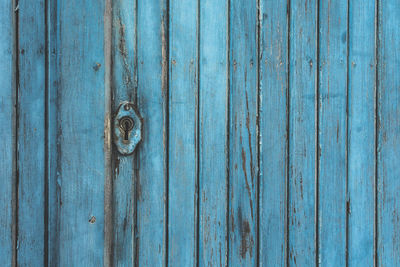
183,137
81,140
213,133
361,133
302,135
243,163
332,134
152,31
52,168
274,144
31,132
124,84
388,133
7,131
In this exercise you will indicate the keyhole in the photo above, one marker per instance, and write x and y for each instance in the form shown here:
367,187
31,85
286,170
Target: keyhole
126,125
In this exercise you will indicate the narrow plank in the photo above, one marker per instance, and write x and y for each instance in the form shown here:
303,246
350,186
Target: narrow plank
124,84
31,132
361,133
183,86
388,133
302,133
274,144
243,162
213,133
52,168
7,131
81,141
332,114
152,101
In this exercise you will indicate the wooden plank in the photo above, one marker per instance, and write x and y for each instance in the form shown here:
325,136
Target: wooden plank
183,139
388,133
152,44
7,132
332,134
361,133
243,162
124,83
274,144
213,107
81,140
31,132
52,168
302,133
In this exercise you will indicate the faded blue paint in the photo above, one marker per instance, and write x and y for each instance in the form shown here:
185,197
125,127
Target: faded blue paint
270,133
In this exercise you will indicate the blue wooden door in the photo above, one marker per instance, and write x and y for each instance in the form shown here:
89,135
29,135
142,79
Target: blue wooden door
270,133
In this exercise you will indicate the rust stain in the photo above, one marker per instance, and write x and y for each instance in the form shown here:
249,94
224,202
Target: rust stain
164,55
247,182
92,220
249,136
97,66
247,241
127,74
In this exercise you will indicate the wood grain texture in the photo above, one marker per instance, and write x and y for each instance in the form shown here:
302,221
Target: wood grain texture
7,132
124,84
152,102
273,129
52,167
302,133
31,133
183,129
332,131
81,141
361,133
213,108
388,133
243,143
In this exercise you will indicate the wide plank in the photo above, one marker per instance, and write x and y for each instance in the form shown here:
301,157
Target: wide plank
388,127
361,133
183,133
7,132
243,139
124,84
31,132
274,45
213,115
152,93
302,133
332,132
81,110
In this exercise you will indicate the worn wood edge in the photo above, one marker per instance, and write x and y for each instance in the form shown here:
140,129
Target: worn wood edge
108,188
165,95
15,85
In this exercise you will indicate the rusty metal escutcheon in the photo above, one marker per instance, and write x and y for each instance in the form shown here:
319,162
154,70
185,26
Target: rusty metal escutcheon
127,128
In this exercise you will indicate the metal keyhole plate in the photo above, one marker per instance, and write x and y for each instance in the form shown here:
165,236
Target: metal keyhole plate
127,128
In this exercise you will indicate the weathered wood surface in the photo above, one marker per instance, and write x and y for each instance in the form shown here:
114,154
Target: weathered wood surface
243,134
303,136
81,108
271,133
152,102
361,134
183,133
7,132
274,68
31,88
213,132
332,132
388,130
124,83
